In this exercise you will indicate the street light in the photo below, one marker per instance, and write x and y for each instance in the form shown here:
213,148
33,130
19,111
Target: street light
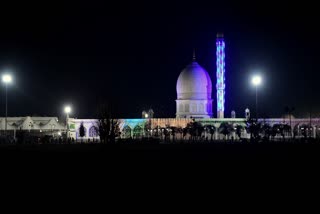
67,110
6,79
256,81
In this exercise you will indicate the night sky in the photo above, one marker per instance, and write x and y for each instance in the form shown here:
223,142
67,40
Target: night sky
130,55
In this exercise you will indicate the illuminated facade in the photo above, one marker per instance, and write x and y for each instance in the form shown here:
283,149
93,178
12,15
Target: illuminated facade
157,127
36,125
194,88
220,63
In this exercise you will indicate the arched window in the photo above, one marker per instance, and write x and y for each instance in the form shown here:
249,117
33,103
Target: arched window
193,107
93,131
180,107
186,108
137,131
201,107
126,132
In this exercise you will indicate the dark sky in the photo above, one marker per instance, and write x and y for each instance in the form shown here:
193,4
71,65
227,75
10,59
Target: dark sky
130,55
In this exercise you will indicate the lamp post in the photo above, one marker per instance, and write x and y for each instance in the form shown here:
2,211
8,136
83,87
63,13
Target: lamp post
256,81
6,79
67,110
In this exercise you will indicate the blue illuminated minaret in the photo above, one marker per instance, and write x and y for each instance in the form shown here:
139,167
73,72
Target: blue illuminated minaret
220,75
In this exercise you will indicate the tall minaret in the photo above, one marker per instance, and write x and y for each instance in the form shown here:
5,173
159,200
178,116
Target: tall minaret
220,75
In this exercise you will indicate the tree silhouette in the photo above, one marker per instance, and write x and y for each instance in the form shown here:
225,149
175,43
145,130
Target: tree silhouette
286,129
289,111
267,131
211,129
179,131
174,130
157,131
114,131
225,129
147,128
295,131
281,129
81,131
239,130
254,128
108,128
166,133
304,130
185,131
195,129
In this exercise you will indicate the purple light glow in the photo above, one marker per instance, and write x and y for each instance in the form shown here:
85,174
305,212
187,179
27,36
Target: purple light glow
220,75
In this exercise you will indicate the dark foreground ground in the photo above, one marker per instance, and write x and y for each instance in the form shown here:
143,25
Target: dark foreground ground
275,151
151,165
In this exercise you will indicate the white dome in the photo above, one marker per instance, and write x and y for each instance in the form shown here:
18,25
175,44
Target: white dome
194,83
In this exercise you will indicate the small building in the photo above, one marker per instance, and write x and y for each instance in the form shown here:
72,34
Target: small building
38,126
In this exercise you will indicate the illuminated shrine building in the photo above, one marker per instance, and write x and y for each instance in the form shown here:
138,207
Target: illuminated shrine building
194,103
194,87
194,90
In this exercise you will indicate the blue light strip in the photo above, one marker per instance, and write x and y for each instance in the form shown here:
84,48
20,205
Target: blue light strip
220,73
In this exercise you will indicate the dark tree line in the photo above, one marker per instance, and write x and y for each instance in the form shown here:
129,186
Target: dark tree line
257,130
107,127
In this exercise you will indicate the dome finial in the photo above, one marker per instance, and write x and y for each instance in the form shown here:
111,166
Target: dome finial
194,55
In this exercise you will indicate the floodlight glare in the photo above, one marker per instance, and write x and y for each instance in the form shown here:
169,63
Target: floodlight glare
67,109
7,78
256,80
